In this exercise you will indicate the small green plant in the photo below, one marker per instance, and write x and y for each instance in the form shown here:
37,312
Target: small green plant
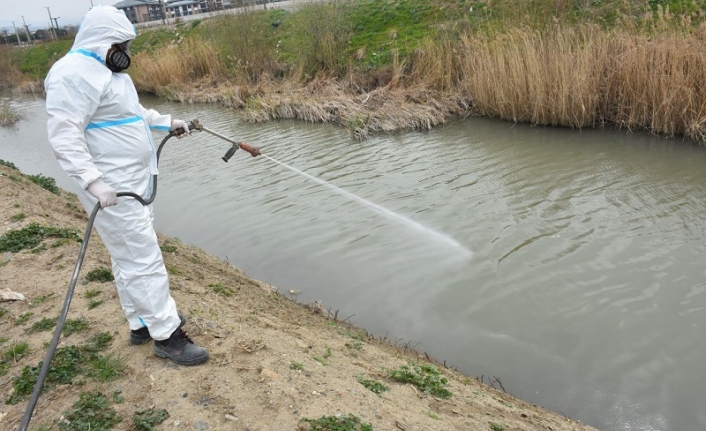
220,289
173,270
18,217
47,183
168,248
16,205
90,412
31,236
496,426
68,362
373,385
14,353
91,293
93,304
3,311
75,325
98,342
145,420
23,318
333,423
118,397
298,366
9,165
355,345
105,368
426,377
40,299
433,415
100,275
46,324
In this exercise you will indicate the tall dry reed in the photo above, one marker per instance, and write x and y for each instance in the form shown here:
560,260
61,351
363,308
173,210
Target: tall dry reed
574,76
167,72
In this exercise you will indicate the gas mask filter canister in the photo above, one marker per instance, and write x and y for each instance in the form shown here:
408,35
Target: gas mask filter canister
117,59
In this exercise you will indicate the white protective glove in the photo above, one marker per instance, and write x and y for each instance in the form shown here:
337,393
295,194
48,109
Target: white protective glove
105,194
180,124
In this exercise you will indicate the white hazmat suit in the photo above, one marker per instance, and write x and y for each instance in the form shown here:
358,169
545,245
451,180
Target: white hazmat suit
99,131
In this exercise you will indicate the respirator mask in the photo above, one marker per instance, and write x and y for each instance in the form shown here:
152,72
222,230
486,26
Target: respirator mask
118,57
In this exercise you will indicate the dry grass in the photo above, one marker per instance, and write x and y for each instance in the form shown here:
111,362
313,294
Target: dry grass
166,72
648,76
8,116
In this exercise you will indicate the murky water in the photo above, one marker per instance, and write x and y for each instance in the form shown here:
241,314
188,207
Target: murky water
568,264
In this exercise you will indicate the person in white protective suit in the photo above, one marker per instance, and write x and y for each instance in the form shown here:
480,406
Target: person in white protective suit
100,134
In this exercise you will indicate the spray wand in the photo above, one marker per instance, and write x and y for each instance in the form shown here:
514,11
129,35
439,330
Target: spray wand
253,151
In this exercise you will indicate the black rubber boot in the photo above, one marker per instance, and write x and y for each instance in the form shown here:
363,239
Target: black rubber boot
142,335
180,349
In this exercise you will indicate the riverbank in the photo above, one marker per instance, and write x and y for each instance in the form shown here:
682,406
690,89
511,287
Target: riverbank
274,362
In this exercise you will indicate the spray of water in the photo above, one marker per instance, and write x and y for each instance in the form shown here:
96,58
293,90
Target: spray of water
384,211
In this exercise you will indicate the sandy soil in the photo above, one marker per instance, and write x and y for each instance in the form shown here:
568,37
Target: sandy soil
262,374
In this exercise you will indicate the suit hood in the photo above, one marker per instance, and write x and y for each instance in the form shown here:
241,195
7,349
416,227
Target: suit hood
101,27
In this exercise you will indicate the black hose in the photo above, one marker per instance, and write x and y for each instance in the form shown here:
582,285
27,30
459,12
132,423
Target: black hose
39,385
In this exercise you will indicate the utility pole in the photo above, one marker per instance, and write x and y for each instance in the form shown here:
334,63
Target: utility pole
164,12
57,26
29,35
53,33
19,42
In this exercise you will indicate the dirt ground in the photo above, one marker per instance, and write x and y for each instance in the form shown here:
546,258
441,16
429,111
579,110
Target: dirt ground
273,361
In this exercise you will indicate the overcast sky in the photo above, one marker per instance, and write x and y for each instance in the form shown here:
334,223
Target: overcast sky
36,14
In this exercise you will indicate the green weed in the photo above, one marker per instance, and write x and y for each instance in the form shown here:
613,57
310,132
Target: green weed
220,289
31,236
168,248
101,275
173,270
90,412
298,366
98,342
93,304
18,217
3,311
46,324
47,183
23,318
426,377
373,385
12,355
9,165
91,293
68,362
145,420
333,423
105,368
75,325
40,299
496,426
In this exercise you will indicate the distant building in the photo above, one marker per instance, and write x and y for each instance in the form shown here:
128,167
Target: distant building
138,11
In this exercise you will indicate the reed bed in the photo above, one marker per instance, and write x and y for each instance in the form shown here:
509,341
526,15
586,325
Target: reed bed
574,76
